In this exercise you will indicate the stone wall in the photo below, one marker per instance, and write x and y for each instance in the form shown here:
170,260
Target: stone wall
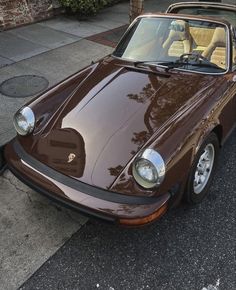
19,12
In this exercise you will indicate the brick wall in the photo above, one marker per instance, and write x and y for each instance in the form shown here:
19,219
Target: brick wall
136,9
19,12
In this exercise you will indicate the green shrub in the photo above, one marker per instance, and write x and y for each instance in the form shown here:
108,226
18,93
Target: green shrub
85,7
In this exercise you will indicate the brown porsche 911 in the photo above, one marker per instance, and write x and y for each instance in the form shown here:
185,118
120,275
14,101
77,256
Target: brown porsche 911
128,137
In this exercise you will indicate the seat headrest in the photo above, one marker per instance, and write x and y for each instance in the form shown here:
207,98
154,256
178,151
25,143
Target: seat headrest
219,37
179,29
218,43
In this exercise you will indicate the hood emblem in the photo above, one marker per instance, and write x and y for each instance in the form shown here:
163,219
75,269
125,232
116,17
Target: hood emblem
71,157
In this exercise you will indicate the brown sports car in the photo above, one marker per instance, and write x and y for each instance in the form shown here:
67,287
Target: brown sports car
128,137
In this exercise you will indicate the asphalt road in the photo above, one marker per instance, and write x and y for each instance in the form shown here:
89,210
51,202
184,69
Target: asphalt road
189,248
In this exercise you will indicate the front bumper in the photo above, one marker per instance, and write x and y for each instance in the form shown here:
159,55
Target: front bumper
90,200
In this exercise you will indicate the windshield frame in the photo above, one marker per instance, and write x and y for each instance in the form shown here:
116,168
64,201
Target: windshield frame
226,25
194,4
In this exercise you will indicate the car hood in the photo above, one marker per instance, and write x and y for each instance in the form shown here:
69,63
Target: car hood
109,117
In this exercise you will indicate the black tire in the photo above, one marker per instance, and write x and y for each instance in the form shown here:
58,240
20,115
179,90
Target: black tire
190,196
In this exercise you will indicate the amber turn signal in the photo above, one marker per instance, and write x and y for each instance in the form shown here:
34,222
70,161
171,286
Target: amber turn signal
144,220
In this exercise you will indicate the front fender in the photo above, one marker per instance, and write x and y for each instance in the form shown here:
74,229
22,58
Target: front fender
208,128
178,142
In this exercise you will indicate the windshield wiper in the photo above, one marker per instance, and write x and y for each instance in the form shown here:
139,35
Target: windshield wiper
145,66
176,64
173,64
167,64
157,63
204,64
186,59
147,62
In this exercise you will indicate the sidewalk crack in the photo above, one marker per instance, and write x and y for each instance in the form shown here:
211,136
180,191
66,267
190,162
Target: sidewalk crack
16,187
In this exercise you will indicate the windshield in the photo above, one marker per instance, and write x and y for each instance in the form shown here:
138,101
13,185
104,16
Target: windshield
166,40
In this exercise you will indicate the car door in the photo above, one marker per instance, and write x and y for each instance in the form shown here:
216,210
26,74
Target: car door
228,114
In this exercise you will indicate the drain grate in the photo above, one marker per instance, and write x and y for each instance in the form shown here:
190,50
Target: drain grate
23,86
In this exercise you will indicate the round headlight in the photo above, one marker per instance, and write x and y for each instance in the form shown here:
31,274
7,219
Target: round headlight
24,121
149,169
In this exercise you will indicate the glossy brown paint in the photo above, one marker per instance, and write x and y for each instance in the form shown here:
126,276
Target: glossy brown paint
106,209
107,113
104,141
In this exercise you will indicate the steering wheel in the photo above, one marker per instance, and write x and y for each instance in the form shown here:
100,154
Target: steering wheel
196,57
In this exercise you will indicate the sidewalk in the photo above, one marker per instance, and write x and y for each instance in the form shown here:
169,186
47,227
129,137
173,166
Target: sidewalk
53,49
25,42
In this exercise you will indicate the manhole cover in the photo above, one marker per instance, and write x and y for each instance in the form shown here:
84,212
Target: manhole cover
23,86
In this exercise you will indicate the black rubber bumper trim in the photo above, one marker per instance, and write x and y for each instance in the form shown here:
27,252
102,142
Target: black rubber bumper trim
60,200
3,163
80,186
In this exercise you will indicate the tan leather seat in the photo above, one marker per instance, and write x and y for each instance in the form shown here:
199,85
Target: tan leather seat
234,55
179,39
201,37
216,50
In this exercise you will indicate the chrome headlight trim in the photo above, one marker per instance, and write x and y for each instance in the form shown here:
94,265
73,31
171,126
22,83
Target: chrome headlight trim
24,121
155,160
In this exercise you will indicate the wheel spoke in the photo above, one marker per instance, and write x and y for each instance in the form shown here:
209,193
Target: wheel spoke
204,168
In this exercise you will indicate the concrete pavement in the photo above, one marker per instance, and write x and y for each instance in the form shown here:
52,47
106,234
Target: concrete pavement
32,228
